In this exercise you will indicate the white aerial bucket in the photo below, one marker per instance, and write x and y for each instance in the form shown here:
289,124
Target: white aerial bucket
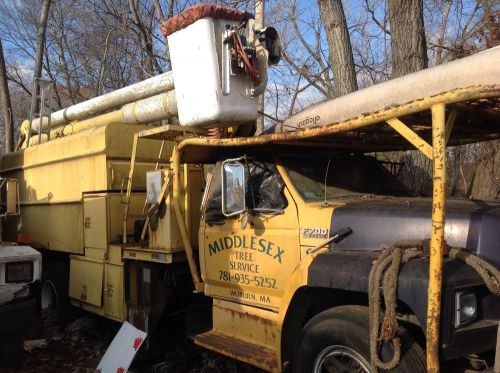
210,90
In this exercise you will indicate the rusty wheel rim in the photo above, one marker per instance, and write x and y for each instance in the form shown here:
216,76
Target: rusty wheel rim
340,359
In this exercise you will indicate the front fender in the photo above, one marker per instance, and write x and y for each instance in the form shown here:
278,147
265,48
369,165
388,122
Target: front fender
349,270
298,279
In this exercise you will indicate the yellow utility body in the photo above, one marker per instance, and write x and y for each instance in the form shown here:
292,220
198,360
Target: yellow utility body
75,186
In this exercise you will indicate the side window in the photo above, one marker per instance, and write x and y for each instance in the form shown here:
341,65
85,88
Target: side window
264,190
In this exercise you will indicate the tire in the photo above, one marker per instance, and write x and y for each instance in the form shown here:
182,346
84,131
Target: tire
344,331
54,291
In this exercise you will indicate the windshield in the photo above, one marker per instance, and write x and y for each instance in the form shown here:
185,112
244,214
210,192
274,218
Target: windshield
348,177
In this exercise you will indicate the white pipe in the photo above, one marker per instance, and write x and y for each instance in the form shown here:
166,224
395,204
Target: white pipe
112,100
145,111
151,109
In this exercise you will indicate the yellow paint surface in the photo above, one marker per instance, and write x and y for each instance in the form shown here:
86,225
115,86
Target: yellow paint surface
114,295
245,322
54,175
251,265
85,280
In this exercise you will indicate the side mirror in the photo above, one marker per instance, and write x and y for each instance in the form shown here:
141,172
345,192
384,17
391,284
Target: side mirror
9,197
233,187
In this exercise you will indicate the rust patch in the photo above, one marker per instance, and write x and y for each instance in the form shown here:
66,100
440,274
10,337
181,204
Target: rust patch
196,12
256,355
234,314
323,128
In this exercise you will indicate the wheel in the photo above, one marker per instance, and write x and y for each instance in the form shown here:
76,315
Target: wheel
337,340
54,291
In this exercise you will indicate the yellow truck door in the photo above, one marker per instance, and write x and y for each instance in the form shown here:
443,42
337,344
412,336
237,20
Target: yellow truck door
252,264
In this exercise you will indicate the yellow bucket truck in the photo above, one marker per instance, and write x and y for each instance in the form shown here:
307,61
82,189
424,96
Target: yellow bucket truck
293,250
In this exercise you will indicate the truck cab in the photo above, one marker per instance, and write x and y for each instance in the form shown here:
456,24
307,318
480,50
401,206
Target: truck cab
262,214
266,250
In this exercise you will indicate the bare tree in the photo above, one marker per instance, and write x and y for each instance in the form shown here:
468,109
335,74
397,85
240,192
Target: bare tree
442,33
339,42
6,106
409,49
146,39
40,43
159,10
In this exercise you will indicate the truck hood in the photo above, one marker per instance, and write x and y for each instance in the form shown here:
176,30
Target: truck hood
470,224
11,252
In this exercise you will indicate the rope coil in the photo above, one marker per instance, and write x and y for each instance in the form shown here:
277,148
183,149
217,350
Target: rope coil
384,277
489,273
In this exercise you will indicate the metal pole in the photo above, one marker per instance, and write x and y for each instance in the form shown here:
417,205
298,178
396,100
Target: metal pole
186,240
259,24
129,186
437,236
32,112
41,90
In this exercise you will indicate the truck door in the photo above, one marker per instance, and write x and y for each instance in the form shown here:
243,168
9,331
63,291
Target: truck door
248,257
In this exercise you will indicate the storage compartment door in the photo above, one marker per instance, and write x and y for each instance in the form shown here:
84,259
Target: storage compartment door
114,300
85,280
95,225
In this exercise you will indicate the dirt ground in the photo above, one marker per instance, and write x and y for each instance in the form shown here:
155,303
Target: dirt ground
79,346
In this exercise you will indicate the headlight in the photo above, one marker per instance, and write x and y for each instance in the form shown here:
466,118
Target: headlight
465,307
18,272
